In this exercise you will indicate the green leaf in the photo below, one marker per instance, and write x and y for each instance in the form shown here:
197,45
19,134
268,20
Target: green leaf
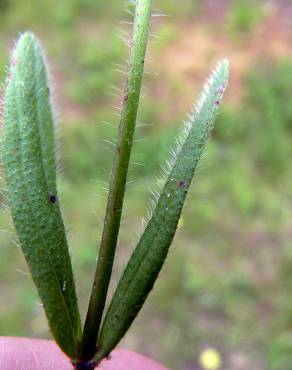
30,173
151,251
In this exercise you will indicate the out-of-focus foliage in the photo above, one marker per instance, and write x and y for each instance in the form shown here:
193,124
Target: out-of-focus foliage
270,117
243,16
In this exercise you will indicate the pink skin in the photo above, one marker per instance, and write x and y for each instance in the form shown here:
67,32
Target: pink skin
36,354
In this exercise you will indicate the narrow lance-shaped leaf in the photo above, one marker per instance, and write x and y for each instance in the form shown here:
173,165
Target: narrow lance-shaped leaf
151,251
30,173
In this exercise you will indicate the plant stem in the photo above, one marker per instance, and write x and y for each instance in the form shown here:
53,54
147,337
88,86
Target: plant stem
118,179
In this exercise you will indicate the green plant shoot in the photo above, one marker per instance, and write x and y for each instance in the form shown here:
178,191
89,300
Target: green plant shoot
30,173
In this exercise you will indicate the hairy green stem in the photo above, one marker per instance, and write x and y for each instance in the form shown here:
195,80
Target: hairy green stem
118,180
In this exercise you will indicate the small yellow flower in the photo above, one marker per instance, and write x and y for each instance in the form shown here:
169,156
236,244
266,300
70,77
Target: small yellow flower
210,359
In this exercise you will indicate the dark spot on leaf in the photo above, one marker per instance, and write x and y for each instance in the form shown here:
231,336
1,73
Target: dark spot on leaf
182,184
53,198
217,102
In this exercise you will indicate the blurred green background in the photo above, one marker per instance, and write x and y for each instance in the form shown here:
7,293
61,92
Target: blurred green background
226,282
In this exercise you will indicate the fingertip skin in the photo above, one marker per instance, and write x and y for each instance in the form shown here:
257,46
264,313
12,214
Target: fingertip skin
36,354
28,150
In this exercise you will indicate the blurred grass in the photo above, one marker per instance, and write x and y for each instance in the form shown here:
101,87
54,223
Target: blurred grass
227,280
243,17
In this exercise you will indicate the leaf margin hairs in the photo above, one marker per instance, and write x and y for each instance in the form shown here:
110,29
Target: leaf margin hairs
143,267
